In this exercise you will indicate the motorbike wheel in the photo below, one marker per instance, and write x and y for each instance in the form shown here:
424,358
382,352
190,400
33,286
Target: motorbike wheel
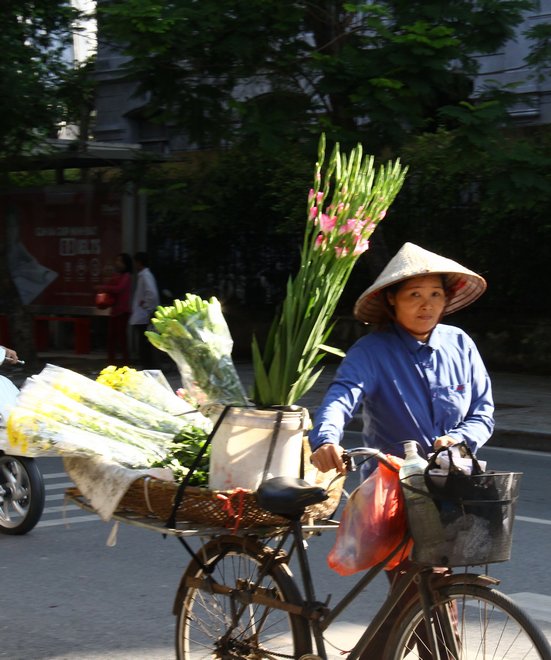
21,494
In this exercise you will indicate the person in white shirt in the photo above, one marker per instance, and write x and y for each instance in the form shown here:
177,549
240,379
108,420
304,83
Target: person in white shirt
145,301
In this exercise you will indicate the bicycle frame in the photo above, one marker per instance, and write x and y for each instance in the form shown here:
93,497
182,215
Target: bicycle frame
317,613
321,617
319,625
281,545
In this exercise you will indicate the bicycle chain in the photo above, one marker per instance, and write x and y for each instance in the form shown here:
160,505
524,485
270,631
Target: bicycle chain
270,654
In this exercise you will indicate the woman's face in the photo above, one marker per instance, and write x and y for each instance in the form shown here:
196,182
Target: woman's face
119,264
418,304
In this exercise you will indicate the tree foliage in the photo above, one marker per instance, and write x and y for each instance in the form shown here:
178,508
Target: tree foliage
260,75
33,71
272,70
485,207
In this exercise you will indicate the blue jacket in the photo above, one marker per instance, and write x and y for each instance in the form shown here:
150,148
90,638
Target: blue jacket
409,391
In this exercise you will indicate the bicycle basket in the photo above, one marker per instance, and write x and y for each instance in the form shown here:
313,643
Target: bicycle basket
468,522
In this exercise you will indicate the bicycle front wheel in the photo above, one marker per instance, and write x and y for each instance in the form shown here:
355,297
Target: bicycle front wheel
220,615
470,622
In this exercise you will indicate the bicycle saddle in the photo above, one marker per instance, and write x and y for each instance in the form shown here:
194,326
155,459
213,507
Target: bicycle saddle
288,495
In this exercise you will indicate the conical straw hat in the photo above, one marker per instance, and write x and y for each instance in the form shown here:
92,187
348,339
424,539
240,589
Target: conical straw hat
464,286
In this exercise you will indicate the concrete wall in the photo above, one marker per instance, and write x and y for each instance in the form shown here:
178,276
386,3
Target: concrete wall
509,68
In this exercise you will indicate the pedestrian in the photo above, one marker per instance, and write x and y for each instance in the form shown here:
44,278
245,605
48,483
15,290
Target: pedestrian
414,377
120,287
144,303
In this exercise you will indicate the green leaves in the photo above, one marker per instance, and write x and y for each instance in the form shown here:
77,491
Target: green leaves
32,71
182,453
194,333
382,69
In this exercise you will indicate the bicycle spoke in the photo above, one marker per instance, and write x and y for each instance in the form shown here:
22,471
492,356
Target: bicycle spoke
472,623
241,622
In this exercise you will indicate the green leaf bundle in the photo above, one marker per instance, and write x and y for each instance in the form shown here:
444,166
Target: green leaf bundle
194,333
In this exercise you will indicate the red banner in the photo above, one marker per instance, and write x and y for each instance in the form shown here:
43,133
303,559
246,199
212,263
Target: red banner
61,241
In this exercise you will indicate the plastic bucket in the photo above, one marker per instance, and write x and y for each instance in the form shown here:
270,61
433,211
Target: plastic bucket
253,444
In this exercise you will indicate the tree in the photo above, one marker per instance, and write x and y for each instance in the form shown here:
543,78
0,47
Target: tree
487,206
271,71
39,88
33,71
256,76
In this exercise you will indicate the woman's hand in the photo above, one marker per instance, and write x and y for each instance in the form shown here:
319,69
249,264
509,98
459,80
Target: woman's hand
444,441
327,457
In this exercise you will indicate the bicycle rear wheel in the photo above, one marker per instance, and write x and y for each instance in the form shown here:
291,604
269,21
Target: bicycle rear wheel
470,623
227,625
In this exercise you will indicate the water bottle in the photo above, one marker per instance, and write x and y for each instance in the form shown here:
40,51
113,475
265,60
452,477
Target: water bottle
423,515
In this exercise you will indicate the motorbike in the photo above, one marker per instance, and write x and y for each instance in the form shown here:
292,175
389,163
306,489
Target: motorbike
22,493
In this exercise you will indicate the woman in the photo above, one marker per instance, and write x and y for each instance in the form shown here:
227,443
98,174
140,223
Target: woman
120,287
416,379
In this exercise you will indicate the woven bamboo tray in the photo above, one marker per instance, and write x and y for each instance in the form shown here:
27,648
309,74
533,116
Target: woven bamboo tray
153,497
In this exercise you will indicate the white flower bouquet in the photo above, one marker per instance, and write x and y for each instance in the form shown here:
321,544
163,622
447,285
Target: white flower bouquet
59,410
107,400
153,390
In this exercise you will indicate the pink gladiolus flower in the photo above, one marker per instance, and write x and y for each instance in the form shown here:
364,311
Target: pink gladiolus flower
341,251
321,241
382,215
318,195
327,223
371,227
313,212
361,246
351,226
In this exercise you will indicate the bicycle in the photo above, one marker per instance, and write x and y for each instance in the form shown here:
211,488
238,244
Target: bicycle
238,599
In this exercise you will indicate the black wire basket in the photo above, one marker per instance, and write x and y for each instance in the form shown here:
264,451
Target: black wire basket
463,522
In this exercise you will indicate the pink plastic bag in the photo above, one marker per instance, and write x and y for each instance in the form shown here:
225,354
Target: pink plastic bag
373,523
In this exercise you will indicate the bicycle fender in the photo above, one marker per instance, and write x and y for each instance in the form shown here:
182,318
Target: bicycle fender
480,579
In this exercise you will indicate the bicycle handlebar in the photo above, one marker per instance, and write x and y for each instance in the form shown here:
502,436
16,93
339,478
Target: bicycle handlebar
367,452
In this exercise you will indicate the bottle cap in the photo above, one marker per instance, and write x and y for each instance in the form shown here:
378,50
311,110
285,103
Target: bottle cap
410,445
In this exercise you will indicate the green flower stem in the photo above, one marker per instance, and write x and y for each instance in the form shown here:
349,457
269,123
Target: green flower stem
355,197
